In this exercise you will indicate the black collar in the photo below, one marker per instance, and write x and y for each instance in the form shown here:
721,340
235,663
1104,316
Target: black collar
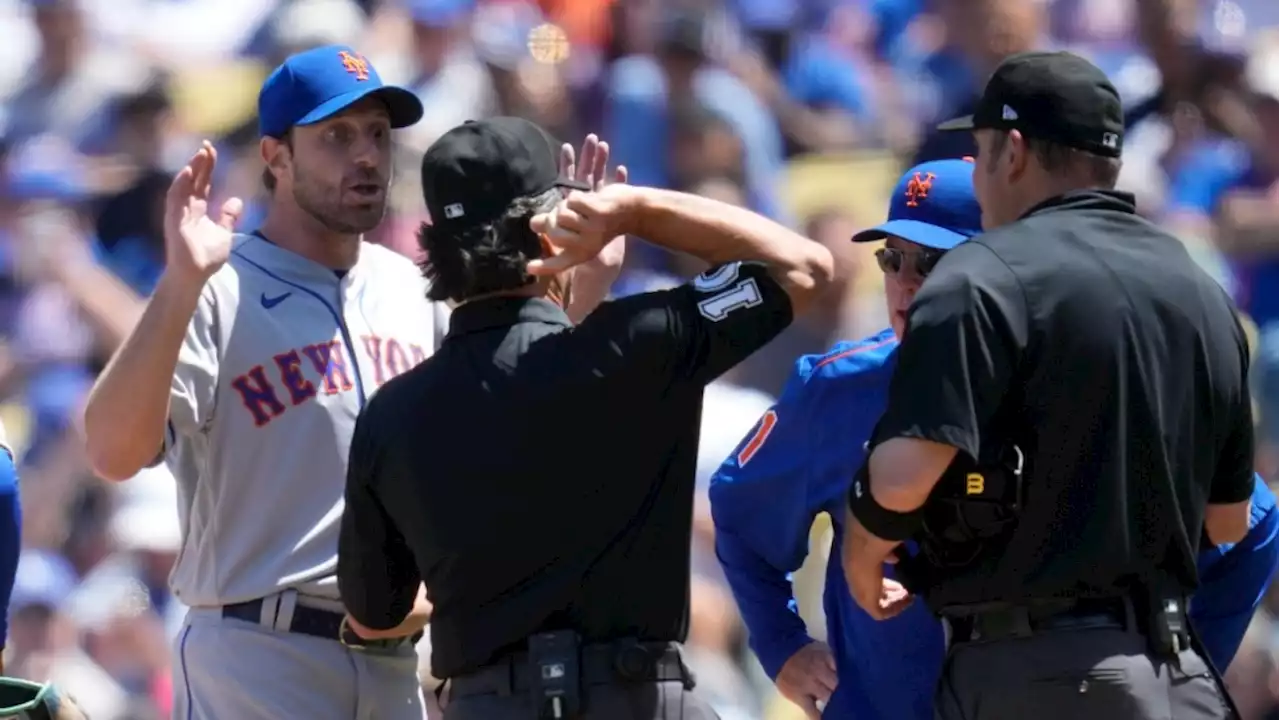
499,312
1087,200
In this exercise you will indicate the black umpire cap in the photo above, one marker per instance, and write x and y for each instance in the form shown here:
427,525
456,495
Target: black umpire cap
474,172
1054,96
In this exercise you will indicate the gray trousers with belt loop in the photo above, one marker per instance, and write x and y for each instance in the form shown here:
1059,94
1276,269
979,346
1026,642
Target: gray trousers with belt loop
1075,674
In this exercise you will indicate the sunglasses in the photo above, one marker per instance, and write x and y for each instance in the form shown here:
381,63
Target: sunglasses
893,260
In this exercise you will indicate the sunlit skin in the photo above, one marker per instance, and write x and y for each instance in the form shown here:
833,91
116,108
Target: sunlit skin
900,288
331,183
1007,183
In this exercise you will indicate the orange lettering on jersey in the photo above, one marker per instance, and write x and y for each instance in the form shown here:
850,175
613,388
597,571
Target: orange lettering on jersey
300,388
258,396
329,360
397,359
756,441
373,347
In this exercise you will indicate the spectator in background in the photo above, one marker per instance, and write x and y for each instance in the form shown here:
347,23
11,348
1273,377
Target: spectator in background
443,70
43,637
1223,194
72,80
643,93
820,97
704,146
979,33
53,345
129,227
526,86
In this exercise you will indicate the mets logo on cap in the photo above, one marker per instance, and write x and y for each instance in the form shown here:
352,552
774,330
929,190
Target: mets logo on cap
932,205
918,186
354,63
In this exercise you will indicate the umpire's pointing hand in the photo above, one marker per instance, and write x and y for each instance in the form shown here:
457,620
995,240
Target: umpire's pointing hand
581,225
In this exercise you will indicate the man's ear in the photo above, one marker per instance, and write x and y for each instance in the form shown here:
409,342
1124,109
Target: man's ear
1018,155
275,154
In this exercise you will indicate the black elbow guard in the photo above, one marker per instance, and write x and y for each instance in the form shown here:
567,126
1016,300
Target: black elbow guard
880,521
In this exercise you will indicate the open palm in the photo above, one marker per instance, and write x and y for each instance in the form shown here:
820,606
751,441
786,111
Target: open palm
196,245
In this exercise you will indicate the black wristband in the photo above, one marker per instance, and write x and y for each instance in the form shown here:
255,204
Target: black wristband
880,521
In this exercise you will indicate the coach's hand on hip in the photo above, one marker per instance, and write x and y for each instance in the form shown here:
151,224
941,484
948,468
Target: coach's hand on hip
416,620
196,246
808,678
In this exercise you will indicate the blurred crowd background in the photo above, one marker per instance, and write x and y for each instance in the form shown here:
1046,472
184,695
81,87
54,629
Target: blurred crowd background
805,110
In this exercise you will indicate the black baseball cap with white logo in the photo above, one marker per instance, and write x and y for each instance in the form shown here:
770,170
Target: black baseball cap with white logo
1054,96
474,172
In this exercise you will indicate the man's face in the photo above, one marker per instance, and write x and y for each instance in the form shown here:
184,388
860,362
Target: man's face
901,261
341,168
991,183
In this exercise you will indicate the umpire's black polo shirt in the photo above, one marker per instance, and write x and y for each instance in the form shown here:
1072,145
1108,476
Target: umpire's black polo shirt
540,476
1089,337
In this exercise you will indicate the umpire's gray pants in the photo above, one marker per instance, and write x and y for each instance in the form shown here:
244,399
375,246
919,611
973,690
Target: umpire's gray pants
667,700
1082,674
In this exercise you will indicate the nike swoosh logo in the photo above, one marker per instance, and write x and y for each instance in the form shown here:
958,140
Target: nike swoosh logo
269,303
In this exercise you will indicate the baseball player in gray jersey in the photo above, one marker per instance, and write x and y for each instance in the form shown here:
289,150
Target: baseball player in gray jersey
248,367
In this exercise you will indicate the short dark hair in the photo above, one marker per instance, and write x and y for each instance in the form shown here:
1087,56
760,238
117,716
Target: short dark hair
1103,172
486,258
268,177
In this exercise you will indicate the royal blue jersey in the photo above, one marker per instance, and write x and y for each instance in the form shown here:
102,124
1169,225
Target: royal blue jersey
798,461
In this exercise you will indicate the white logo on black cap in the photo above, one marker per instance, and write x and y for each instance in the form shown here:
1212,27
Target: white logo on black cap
454,211
1008,113
1110,140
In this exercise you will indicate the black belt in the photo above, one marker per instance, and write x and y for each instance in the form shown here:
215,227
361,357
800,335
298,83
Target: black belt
600,663
1000,622
314,622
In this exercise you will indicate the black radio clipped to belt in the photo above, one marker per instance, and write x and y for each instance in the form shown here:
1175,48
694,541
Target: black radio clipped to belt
556,674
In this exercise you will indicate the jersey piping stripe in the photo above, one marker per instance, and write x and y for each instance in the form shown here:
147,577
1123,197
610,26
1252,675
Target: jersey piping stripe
337,318
186,680
852,351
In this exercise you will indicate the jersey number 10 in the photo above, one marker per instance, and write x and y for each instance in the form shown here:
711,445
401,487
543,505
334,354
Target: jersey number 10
729,295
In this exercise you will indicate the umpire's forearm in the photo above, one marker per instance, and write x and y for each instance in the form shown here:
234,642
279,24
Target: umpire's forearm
718,232
129,404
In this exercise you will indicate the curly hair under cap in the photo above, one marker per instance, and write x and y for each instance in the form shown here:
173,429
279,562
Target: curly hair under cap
487,258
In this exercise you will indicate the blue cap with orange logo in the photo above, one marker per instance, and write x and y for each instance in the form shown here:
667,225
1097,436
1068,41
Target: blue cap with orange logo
933,205
319,83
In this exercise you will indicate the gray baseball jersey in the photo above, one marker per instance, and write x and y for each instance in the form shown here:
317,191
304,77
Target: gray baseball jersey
278,360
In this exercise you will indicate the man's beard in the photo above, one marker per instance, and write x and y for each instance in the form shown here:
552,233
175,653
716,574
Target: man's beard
337,219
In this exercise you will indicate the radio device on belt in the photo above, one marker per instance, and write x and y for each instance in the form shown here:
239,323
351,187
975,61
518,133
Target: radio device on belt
555,674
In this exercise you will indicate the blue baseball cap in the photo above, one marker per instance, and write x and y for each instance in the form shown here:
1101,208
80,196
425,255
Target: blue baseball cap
319,83
932,205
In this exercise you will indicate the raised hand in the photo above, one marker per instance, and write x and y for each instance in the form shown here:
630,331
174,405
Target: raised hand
581,225
595,277
196,245
594,171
